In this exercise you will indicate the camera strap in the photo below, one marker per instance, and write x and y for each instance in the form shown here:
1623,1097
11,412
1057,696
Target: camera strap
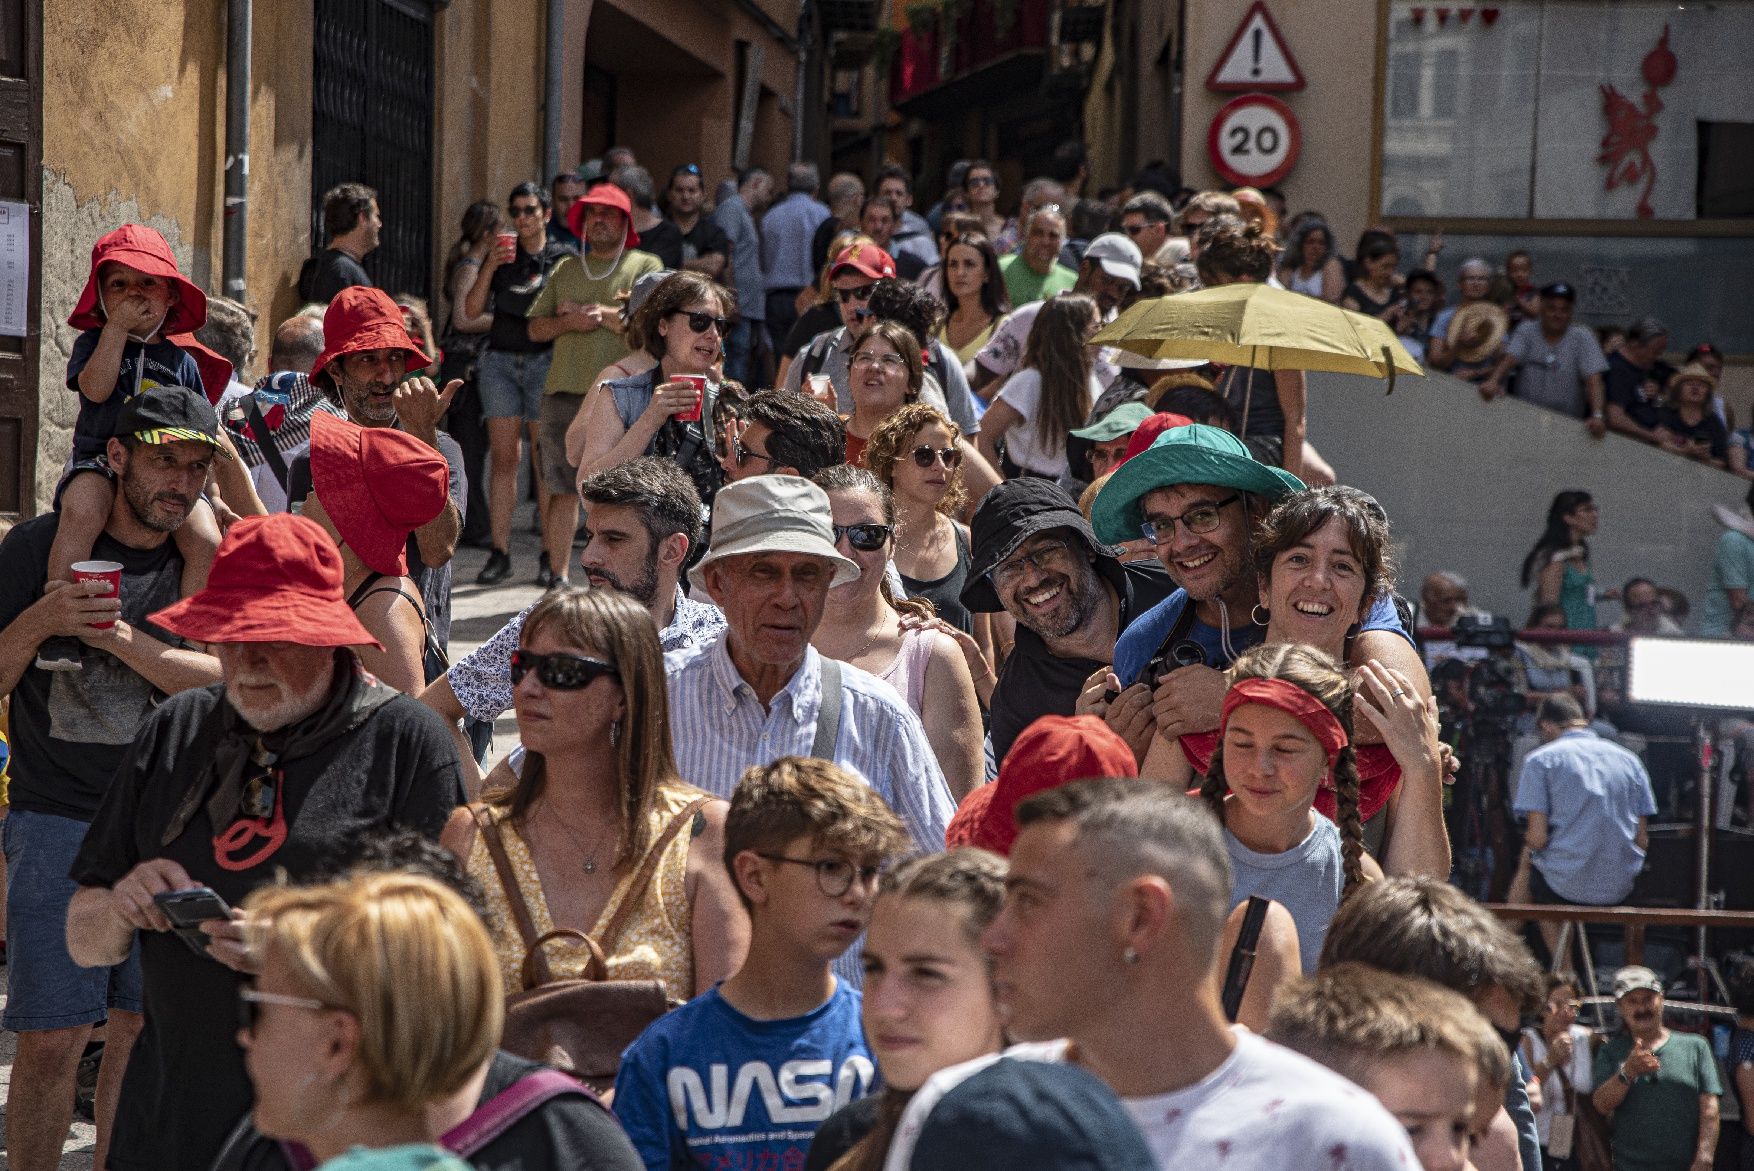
265,440
1178,630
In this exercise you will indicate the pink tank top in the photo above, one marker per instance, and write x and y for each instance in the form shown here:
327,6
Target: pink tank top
907,674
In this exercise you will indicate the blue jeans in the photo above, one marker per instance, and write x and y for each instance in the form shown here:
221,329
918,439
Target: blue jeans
45,989
739,349
511,384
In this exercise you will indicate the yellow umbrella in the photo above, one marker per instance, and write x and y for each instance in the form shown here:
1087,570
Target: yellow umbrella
1256,325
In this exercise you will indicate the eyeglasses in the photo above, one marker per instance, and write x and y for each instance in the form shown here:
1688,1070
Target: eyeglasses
1201,518
869,358
866,538
743,454
701,322
559,672
834,876
925,457
250,998
980,181
1040,557
259,788
862,293
526,209
1192,225
1135,229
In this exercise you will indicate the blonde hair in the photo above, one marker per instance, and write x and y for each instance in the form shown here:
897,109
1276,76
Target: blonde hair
387,949
1351,1016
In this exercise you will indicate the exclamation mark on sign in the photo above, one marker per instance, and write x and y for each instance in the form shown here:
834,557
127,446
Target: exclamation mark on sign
1255,70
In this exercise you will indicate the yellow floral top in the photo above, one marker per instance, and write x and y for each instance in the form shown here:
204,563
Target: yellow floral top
655,943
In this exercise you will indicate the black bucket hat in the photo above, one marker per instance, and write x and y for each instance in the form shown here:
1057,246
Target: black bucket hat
1012,513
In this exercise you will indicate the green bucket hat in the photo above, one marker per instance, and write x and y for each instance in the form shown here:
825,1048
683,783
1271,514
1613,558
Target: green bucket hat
1195,454
1123,420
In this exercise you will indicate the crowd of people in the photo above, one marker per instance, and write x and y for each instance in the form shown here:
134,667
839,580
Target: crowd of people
964,746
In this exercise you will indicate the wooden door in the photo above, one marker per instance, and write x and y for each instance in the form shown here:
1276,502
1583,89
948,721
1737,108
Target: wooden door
21,179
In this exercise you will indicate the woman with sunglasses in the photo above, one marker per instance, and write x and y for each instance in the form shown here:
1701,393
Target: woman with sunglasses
974,290
668,410
1050,393
885,373
862,625
982,189
916,453
375,997
598,787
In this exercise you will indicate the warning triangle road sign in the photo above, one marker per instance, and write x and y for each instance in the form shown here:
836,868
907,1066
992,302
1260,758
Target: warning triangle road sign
1257,57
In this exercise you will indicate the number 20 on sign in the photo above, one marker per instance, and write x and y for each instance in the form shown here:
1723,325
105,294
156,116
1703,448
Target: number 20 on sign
1254,141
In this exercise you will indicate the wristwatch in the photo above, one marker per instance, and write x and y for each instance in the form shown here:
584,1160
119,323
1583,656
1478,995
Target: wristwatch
1621,1074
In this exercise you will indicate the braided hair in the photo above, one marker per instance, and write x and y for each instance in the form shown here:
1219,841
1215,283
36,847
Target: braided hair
1317,673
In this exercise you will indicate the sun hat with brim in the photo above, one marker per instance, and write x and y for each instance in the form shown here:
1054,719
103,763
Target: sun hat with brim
377,486
603,195
773,514
171,414
141,248
362,318
1692,372
1008,516
1475,331
1128,360
1195,454
276,578
1052,751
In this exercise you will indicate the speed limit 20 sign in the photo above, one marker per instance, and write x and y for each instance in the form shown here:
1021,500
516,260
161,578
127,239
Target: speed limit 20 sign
1254,141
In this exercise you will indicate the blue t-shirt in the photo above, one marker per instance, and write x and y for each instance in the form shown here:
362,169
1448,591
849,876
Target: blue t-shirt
706,1086
1139,641
144,366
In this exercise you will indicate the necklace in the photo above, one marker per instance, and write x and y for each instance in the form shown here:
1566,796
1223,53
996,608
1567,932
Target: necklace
590,856
613,261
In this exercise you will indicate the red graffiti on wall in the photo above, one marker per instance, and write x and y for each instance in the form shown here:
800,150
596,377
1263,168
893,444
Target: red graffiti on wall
1632,126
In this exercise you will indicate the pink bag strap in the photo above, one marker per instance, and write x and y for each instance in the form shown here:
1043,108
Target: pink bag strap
499,1113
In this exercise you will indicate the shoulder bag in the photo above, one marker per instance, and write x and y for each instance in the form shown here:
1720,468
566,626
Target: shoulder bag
582,1025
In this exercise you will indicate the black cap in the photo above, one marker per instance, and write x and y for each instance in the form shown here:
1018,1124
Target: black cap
1561,290
1018,1113
170,414
1012,513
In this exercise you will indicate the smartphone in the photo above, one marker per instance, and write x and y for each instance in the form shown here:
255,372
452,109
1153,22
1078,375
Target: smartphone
188,909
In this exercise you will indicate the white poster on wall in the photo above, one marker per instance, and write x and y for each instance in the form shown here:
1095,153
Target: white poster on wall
14,268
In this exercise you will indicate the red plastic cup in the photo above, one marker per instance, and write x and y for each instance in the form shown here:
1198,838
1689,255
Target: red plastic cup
107,571
692,414
508,247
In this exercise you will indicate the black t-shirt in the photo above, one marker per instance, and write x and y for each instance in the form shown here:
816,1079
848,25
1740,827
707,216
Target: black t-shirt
566,1132
1035,682
818,319
1624,385
144,365
71,729
841,1131
670,244
186,1084
515,288
334,270
826,231
1710,428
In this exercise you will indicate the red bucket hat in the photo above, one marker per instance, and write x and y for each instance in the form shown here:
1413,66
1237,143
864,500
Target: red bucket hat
377,485
275,579
141,248
603,195
1052,751
364,318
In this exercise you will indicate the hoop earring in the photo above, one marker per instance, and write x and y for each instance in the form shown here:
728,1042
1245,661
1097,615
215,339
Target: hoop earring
1129,956
1260,615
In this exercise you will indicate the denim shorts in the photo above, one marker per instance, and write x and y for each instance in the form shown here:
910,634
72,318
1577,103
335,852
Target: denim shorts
511,384
45,989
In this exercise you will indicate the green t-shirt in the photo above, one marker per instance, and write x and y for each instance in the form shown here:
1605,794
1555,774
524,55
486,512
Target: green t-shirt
412,1157
1657,1127
1023,284
580,357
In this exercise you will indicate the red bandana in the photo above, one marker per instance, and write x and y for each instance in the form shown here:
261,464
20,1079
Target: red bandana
1293,701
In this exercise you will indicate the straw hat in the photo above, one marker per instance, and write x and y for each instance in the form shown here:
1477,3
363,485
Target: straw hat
1476,330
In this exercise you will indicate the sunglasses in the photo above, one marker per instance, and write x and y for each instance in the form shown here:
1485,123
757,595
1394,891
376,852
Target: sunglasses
260,786
982,181
866,538
862,293
1134,229
925,456
701,322
528,209
559,672
250,1001
743,454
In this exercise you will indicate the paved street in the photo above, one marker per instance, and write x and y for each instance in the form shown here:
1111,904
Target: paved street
477,612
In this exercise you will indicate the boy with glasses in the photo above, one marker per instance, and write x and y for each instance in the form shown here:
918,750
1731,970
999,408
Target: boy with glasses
744,1074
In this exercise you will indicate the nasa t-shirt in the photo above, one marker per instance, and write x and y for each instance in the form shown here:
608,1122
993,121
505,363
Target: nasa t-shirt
708,1087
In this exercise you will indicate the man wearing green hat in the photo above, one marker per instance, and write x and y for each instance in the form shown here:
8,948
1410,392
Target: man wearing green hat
1093,452
1196,494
